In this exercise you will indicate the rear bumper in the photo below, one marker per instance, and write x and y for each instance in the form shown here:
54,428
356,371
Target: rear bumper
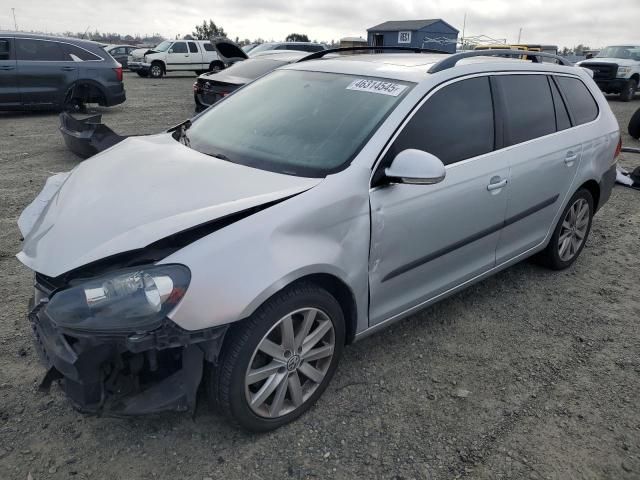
606,186
125,374
615,85
114,95
88,136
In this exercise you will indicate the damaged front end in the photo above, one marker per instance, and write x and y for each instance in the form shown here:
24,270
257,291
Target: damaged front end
113,347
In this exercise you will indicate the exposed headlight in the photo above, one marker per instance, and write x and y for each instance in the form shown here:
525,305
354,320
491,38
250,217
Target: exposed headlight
623,72
135,300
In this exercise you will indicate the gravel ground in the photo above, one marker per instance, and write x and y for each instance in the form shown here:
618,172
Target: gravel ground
529,374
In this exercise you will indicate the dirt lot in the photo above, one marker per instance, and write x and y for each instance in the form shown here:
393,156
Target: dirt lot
530,374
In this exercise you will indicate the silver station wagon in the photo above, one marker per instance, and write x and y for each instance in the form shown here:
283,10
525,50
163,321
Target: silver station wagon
244,248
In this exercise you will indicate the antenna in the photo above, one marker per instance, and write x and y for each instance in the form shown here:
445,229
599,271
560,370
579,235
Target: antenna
15,25
519,35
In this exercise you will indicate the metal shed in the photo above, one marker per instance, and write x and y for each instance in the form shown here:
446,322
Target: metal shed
434,33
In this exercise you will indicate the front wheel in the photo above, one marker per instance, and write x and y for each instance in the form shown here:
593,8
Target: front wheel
571,232
156,70
276,364
629,90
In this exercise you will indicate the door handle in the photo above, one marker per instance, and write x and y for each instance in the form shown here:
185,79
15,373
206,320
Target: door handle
68,69
570,158
7,67
496,183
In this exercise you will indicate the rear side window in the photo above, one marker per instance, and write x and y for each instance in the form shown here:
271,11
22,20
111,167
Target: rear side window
208,47
581,103
528,107
39,50
179,47
562,116
5,49
193,48
456,123
78,54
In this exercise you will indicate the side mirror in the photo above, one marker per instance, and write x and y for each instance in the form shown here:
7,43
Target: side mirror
416,167
170,50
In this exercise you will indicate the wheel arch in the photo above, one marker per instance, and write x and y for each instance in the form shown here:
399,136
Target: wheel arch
162,64
594,189
82,82
636,77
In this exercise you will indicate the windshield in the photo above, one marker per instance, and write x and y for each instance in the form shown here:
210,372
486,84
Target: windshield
296,122
163,47
253,68
625,52
263,47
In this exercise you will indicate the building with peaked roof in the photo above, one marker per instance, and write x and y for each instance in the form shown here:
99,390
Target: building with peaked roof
433,33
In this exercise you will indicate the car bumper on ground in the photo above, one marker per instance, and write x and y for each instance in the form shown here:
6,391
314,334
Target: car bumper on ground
615,85
87,136
124,374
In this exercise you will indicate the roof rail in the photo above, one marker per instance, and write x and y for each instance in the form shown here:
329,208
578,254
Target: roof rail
322,53
452,60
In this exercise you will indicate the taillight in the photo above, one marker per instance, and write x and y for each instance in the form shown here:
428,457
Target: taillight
118,73
618,148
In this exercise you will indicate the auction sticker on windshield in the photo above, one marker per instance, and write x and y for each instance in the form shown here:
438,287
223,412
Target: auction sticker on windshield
377,86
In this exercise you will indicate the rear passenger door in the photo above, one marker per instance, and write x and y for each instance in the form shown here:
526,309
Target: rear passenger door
543,159
427,239
9,91
45,71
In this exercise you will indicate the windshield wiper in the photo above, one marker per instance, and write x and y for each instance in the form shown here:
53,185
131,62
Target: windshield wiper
180,132
221,156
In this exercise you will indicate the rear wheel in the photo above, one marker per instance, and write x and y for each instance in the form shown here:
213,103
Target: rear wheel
216,66
571,232
276,364
629,90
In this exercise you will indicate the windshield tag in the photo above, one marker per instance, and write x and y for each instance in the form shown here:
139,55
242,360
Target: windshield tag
377,86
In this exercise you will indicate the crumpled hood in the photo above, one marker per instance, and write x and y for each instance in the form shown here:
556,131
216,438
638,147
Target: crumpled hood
137,192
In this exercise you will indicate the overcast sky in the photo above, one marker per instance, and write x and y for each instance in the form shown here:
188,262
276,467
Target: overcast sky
561,22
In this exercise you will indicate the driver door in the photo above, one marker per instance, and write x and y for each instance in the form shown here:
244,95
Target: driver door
427,239
178,57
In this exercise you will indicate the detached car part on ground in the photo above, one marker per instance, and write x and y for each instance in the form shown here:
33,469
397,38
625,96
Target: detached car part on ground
185,55
248,246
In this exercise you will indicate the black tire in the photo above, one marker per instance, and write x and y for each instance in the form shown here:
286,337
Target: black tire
143,74
156,70
226,385
550,256
216,66
629,90
634,125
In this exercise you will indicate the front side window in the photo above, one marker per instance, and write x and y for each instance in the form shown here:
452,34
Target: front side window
454,124
40,50
581,103
5,49
297,122
528,107
179,47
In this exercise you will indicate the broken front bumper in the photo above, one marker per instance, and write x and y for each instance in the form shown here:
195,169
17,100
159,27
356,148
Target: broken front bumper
124,374
87,136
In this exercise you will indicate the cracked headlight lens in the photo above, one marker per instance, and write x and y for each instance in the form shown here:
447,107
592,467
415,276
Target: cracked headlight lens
134,300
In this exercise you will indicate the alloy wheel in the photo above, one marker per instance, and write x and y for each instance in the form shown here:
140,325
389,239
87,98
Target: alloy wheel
573,230
290,363
156,71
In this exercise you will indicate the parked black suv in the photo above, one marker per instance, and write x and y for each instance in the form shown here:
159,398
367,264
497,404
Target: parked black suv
43,72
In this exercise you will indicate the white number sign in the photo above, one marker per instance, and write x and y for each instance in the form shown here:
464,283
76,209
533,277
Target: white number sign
404,37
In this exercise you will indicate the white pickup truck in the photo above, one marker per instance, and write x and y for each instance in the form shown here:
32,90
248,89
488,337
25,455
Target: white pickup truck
185,55
616,69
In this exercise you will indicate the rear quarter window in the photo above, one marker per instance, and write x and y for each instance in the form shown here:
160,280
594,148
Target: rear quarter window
81,55
581,103
5,49
208,47
528,107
